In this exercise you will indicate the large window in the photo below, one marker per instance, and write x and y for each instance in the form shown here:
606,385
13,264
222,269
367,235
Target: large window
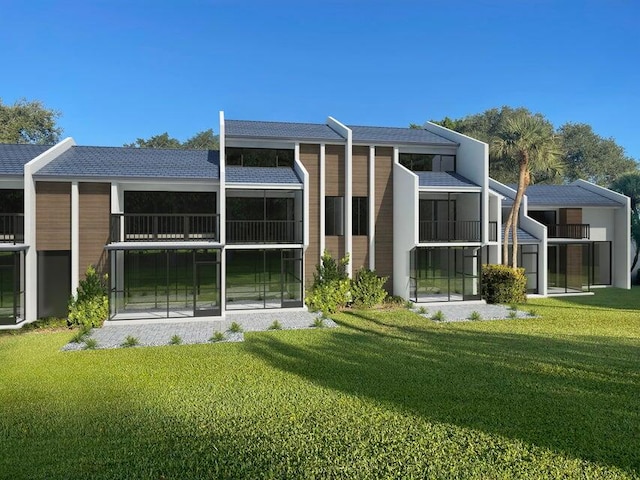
164,283
259,157
427,162
169,202
360,216
334,216
445,274
11,287
263,279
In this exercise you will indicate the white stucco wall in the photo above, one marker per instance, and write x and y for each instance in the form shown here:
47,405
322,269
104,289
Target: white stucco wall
405,226
601,221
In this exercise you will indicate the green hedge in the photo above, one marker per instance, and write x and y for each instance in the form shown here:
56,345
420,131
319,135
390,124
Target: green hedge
503,284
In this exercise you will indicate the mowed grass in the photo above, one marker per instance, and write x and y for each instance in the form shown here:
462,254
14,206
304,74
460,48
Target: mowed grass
389,394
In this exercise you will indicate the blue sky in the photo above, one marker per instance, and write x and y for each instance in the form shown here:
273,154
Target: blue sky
119,70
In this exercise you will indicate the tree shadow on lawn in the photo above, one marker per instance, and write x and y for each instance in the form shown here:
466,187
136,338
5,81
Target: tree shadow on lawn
579,395
602,299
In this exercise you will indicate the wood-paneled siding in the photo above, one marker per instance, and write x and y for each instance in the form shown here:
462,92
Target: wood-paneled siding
53,216
94,212
384,213
360,188
334,170
334,187
310,158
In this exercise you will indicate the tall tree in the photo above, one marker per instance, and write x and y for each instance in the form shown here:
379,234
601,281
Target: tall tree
28,122
629,185
205,140
591,157
527,142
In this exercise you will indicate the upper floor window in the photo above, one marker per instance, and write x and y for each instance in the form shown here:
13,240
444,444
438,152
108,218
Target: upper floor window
259,157
427,162
334,216
360,216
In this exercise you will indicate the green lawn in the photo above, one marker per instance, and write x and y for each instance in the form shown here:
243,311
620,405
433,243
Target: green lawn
389,394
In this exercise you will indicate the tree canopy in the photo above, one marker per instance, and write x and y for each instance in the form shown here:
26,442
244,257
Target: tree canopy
524,143
629,185
29,122
205,140
584,153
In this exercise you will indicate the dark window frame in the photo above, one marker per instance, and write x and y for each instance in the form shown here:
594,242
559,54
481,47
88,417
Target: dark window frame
239,156
360,216
334,216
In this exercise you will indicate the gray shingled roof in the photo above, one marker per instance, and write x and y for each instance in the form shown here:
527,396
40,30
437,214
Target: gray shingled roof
124,162
395,135
523,236
259,175
563,196
280,130
13,157
443,179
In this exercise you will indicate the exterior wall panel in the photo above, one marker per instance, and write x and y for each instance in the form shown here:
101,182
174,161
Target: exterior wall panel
384,213
310,158
334,165
360,257
95,207
53,216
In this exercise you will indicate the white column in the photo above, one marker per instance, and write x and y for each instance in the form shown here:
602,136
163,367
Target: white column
31,257
372,208
348,204
321,173
222,202
75,238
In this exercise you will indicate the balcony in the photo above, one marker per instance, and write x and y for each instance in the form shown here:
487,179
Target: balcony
454,231
134,227
493,231
570,230
11,228
264,231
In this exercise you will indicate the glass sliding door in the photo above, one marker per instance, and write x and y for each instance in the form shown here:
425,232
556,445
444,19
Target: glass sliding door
164,283
569,267
445,274
261,279
11,287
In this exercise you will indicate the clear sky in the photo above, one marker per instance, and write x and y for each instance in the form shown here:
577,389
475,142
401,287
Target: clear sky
118,70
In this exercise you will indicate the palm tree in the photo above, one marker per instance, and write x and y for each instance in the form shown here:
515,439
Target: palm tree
528,143
629,185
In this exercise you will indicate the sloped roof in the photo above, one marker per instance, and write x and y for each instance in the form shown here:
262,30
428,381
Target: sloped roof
280,130
563,196
258,175
126,162
522,235
397,135
13,157
443,179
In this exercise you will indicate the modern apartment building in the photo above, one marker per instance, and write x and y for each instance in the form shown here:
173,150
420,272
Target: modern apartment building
197,233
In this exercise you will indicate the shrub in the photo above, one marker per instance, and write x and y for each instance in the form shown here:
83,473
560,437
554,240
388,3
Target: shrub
90,344
513,314
235,327
329,271
217,337
90,306
328,297
318,322
422,310
130,342
175,340
503,284
367,289
475,316
80,335
275,325
395,301
438,316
